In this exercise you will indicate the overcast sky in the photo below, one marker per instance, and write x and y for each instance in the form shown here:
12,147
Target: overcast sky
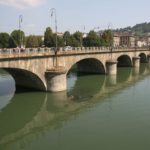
72,15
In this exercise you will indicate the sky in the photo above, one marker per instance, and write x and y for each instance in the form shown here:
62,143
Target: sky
72,15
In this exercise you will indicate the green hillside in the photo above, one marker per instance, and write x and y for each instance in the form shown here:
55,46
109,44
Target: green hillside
139,29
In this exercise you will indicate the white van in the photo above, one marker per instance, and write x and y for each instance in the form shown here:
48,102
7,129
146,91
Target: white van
67,48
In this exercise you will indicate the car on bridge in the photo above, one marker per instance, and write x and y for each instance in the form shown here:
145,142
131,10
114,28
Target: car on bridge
67,48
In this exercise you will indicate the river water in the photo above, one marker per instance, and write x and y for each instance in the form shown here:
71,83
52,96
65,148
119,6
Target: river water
96,112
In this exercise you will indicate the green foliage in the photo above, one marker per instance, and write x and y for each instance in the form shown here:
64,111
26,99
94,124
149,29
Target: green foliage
138,29
60,41
40,41
73,42
4,40
12,43
17,38
79,38
92,39
66,38
33,41
141,28
49,38
107,38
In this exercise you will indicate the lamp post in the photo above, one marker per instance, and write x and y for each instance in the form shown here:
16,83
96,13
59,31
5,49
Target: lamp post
111,43
53,12
111,39
20,36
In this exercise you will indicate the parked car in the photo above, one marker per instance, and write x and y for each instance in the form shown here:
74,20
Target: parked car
66,48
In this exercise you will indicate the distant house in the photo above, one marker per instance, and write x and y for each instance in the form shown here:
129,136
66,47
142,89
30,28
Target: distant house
116,39
123,39
148,40
143,41
60,34
85,35
127,40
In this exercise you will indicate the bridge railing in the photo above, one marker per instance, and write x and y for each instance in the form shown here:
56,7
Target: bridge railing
27,51
16,52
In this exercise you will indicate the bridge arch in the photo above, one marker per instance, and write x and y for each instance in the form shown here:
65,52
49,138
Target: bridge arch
89,65
143,58
124,61
27,79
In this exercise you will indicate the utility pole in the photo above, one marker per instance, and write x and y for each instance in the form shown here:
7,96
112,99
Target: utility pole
53,12
20,35
111,38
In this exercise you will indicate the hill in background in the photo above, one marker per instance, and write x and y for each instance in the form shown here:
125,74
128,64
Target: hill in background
138,29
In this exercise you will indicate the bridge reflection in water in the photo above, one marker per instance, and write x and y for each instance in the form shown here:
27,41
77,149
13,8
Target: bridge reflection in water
26,118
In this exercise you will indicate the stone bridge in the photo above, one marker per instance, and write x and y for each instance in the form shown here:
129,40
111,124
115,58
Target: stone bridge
41,69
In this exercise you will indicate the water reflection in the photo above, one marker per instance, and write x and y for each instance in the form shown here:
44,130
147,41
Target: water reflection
143,68
86,87
19,112
30,115
7,88
124,74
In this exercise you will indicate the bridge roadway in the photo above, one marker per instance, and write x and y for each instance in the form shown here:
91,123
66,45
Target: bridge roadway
41,69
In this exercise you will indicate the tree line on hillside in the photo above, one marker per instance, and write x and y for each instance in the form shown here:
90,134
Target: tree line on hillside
138,29
18,39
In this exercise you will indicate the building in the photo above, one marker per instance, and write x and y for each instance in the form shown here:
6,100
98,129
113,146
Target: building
60,34
116,40
84,35
143,41
127,40
148,41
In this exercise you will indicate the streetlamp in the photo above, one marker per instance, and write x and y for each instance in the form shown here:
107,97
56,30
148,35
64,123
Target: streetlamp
20,36
111,38
111,42
53,12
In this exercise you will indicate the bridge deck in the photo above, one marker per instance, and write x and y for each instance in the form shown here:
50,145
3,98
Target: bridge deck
47,52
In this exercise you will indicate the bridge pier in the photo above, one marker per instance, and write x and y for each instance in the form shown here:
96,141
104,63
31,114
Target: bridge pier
111,67
136,61
56,80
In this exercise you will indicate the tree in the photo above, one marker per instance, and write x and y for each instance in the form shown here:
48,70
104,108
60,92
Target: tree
40,41
49,38
107,37
79,37
66,38
12,43
60,41
92,39
73,42
4,40
17,39
32,41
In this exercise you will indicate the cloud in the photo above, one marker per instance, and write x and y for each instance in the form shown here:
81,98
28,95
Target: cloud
22,3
